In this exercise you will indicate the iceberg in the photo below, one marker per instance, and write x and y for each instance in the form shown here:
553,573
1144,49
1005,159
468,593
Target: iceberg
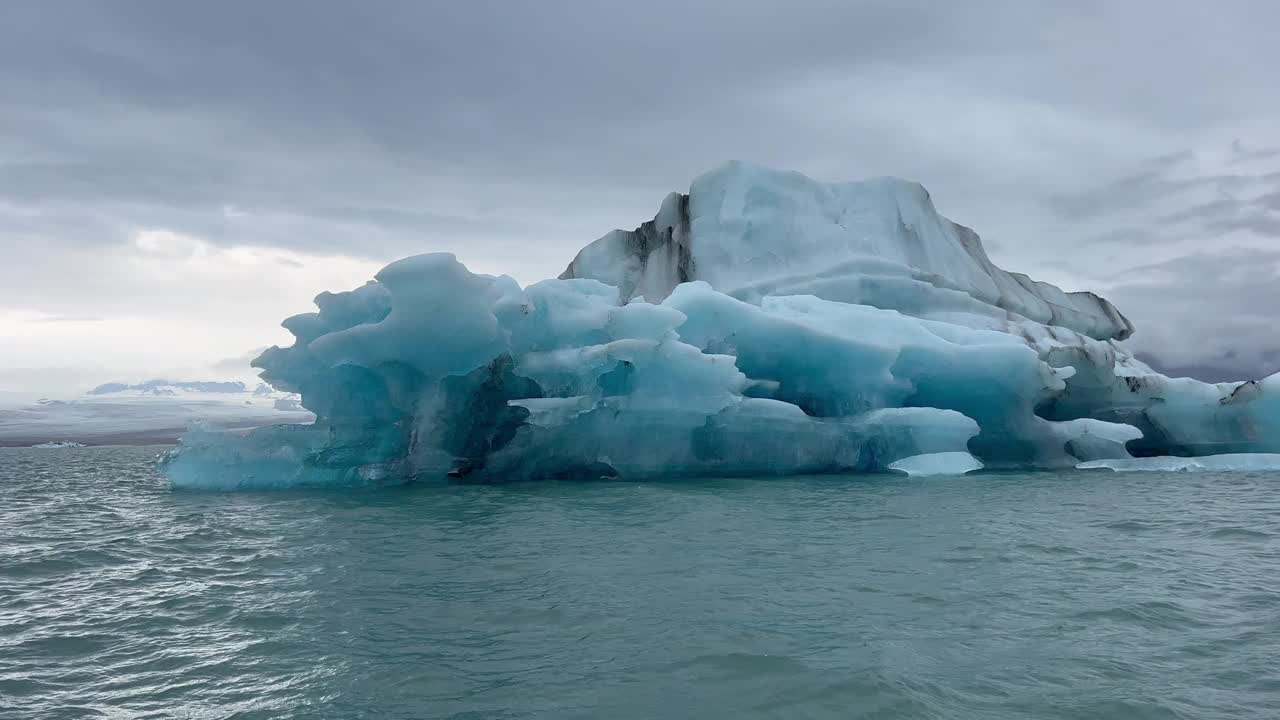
761,324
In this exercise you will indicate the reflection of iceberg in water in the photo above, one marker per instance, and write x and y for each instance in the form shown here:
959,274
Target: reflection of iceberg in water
762,324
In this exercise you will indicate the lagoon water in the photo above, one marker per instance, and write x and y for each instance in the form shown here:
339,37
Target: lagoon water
1074,595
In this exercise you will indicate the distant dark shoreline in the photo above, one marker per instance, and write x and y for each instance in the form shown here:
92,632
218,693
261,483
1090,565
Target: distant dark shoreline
153,436
147,437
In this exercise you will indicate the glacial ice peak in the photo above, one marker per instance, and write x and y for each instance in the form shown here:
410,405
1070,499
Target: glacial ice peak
752,232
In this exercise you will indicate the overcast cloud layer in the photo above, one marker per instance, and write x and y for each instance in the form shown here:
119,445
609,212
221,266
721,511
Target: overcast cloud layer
175,178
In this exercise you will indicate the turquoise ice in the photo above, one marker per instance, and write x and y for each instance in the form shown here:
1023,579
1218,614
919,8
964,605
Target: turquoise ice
764,323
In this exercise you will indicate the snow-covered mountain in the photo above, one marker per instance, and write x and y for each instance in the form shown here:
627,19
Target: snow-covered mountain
173,387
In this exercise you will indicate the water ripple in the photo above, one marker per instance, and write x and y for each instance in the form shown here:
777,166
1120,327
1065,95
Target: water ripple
989,597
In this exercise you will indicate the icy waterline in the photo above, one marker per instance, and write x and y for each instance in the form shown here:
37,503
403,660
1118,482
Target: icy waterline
1235,462
764,324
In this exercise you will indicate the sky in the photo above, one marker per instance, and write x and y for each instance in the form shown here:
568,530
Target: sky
176,178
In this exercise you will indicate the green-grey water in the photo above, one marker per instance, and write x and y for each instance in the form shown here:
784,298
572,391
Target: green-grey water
1074,595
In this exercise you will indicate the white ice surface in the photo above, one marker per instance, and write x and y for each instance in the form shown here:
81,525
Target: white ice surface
752,232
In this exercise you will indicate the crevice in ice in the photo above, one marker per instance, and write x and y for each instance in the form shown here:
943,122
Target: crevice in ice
648,261
476,417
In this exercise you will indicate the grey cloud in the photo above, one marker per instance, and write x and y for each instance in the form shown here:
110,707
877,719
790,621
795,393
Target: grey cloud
1231,212
197,103
1214,209
516,132
1199,303
1206,371
1270,201
1152,187
1254,222
238,364
1168,208
399,127
72,319
1246,155
1212,311
470,87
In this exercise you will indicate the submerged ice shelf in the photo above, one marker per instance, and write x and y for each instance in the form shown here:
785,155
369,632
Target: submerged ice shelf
1230,462
764,323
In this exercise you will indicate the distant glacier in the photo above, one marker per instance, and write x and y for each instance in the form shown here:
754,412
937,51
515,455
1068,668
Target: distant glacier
762,324
151,412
